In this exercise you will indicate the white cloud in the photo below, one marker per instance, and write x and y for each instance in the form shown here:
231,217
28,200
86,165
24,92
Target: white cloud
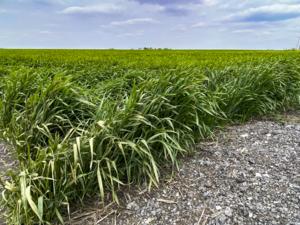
44,1
242,31
114,6
132,34
200,24
275,8
104,8
134,21
210,2
267,13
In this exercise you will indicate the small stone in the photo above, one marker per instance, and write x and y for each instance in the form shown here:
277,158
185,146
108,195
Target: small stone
290,126
251,161
250,215
241,177
240,180
243,150
228,211
153,212
245,135
296,179
149,220
243,188
132,206
258,175
222,218
297,127
275,132
218,207
206,194
245,212
208,184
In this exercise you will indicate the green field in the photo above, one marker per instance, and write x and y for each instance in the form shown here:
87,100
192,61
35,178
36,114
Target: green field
81,119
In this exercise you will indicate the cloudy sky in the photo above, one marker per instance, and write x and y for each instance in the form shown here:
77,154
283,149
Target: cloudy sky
201,24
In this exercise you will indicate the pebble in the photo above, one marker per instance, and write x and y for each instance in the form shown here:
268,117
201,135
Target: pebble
258,175
218,207
228,212
245,135
132,206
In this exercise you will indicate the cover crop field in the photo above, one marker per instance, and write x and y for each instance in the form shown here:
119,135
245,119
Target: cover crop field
87,122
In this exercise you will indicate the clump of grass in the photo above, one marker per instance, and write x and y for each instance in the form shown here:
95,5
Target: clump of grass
250,91
34,106
71,139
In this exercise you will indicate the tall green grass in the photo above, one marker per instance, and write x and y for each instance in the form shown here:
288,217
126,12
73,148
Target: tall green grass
71,136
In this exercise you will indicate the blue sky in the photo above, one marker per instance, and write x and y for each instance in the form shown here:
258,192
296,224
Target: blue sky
196,24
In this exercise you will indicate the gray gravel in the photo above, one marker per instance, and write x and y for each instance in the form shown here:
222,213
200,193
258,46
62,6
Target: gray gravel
7,162
250,174
6,159
3,168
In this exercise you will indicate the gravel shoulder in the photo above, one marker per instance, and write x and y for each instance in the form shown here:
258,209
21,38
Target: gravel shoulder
249,174
6,159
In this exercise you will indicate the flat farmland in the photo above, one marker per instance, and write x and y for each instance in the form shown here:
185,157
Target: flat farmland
85,123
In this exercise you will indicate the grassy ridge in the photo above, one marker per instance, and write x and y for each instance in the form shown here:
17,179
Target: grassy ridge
80,120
